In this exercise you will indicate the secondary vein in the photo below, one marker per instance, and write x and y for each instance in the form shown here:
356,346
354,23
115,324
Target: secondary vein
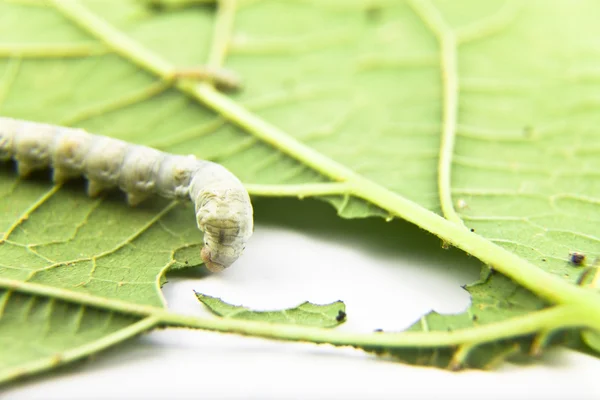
449,71
223,27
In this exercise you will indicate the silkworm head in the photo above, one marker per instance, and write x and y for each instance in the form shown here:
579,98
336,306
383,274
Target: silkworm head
227,225
207,258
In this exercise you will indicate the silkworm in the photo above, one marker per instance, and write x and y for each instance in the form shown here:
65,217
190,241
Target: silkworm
222,204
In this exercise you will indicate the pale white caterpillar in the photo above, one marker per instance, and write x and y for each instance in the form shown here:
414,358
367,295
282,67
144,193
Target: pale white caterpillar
222,205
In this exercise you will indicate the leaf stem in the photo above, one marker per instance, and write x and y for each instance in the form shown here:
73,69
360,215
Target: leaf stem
556,317
563,316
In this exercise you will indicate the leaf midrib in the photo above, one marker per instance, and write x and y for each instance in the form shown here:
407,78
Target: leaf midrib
545,320
564,316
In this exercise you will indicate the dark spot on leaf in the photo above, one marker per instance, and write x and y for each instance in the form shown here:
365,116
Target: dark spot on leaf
528,131
577,258
472,230
155,5
543,259
373,12
474,317
341,316
455,366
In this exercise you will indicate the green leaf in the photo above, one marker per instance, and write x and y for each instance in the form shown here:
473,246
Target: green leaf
494,299
474,120
38,333
307,313
78,248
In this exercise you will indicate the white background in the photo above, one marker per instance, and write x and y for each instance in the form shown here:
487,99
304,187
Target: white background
388,274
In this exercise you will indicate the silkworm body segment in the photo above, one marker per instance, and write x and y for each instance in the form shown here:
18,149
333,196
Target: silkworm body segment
222,205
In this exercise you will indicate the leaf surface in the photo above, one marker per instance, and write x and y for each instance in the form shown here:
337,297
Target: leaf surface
39,333
474,120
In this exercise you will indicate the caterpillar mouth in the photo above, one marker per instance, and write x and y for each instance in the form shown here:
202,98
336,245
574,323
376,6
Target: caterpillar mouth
211,265
214,267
